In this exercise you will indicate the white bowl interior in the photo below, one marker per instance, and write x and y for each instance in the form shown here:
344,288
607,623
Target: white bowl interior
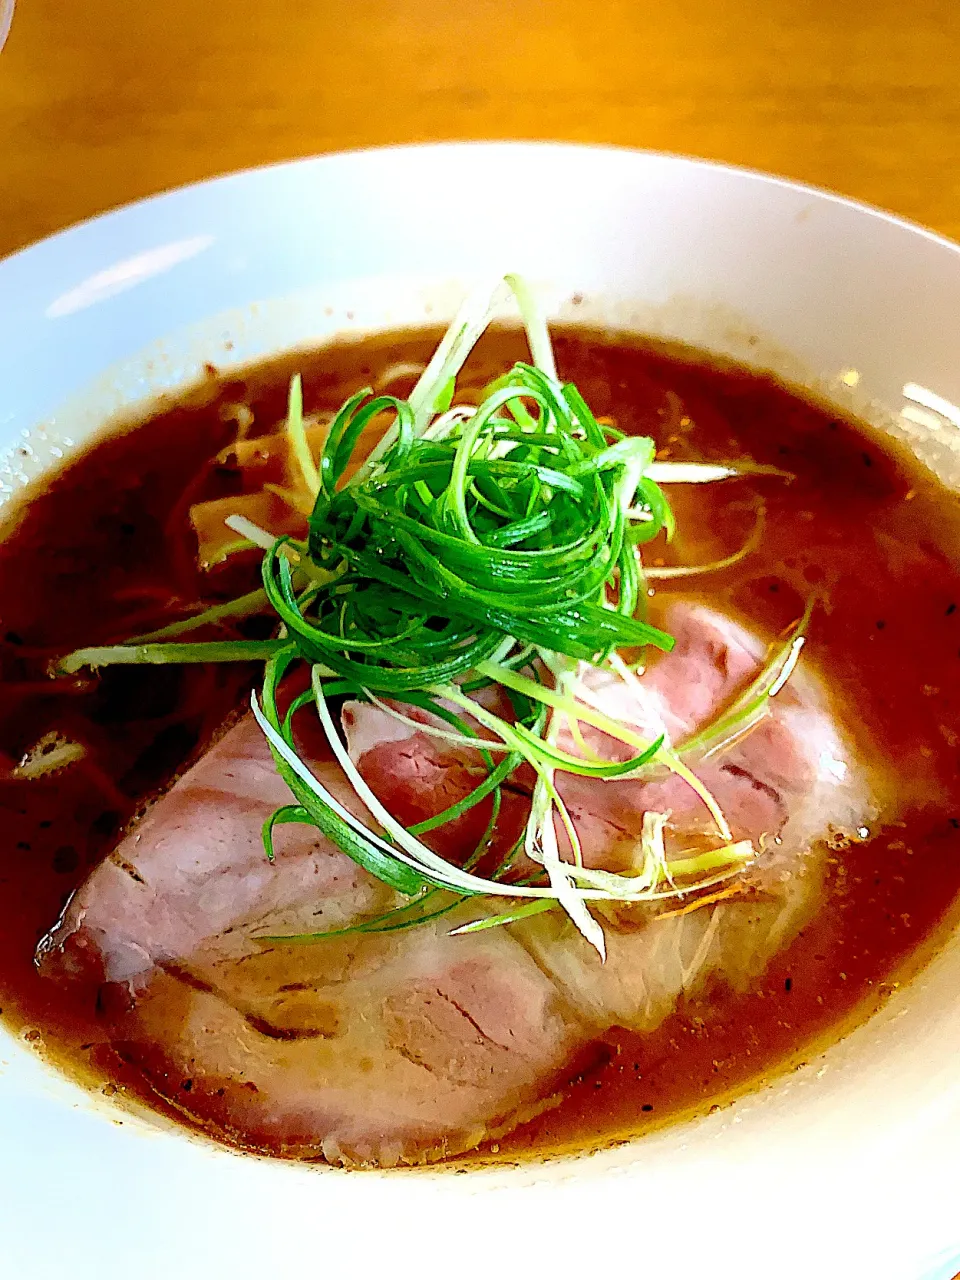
98,320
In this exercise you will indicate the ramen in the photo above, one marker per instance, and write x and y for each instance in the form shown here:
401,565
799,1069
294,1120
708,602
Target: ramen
600,762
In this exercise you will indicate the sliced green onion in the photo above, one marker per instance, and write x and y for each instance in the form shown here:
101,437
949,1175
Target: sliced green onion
709,472
674,572
247,606
506,917
476,546
165,654
298,436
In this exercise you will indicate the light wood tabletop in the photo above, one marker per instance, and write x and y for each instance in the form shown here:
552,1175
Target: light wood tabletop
104,101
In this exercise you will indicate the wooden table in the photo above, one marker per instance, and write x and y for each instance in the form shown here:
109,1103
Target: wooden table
103,101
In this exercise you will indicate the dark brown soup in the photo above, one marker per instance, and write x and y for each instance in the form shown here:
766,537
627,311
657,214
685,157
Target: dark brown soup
106,551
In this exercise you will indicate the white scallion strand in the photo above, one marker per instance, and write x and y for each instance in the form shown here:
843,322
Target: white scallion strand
666,573
583,885
708,472
540,840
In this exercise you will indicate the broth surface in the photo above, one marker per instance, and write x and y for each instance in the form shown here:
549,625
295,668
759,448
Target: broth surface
106,551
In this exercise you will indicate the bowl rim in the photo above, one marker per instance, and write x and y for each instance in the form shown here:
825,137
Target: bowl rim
490,145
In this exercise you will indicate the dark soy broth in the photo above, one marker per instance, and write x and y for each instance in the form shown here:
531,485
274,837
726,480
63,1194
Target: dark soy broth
105,550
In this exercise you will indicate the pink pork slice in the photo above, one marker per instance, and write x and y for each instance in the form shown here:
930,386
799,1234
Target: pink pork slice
370,1050
783,786
405,1047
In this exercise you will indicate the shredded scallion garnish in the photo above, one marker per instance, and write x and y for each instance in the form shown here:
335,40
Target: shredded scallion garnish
480,547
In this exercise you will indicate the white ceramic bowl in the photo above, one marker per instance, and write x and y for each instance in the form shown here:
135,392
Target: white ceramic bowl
850,1166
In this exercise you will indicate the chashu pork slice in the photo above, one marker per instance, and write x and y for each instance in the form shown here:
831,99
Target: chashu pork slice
385,1049
370,1050
788,786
